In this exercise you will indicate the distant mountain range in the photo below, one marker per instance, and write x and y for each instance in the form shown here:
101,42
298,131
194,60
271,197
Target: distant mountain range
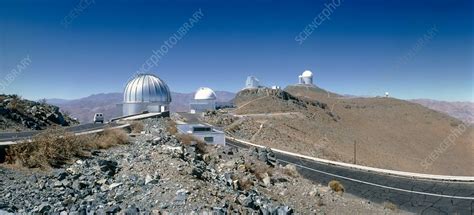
108,103
84,108
461,110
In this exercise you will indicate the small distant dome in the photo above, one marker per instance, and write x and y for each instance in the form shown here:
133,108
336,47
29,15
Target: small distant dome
205,93
146,88
307,73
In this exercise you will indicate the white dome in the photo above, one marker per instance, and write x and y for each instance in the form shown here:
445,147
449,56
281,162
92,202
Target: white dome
307,73
205,93
147,88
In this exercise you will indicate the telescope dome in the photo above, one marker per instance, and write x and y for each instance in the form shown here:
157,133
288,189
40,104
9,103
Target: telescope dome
205,93
307,73
146,88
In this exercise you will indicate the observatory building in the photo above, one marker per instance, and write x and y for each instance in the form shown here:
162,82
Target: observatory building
252,83
306,78
204,100
146,92
203,132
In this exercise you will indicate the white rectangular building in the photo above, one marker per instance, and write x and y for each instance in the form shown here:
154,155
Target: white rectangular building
203,132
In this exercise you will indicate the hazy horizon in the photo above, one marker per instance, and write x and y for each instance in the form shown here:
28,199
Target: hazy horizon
217,90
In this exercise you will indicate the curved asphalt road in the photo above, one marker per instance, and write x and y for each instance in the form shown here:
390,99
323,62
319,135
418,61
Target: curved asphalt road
15,136
418,196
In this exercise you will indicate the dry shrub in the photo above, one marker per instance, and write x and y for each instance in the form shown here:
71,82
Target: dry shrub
106,139
390,206
320,202
51,148
118,136
233,127
245,183
336,186
54,148
291,171
15,104
171,127
260,170
455,123
188,139
137,126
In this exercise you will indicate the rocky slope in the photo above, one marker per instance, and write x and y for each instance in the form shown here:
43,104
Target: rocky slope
20,114
156,174
388,133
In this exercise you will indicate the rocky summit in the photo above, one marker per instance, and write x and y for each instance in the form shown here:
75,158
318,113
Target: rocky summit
156,174
19,114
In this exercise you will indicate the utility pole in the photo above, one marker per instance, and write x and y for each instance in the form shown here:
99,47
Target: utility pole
355,153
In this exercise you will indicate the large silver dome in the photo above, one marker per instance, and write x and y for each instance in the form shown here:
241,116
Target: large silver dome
146,93
147,88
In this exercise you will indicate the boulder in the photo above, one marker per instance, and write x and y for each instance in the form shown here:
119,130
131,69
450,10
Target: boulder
44,208
152,179
266,155
109,167
181,196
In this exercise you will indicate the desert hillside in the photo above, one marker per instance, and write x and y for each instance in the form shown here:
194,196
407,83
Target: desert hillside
388,133
18,114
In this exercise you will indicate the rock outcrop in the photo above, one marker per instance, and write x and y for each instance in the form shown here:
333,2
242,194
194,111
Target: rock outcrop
21,114
267,99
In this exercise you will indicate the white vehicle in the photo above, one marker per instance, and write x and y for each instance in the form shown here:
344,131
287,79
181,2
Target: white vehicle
99,117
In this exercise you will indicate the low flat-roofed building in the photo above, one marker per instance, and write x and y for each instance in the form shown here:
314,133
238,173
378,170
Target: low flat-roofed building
203,132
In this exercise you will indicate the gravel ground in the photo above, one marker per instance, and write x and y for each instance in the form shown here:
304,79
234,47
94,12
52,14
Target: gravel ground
156,174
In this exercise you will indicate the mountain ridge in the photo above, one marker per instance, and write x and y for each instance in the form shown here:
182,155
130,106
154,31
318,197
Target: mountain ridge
461,110
108,103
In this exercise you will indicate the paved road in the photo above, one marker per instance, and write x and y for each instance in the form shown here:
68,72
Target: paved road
14,136
418,196
269,114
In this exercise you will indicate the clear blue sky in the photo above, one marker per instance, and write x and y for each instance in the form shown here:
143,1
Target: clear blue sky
356,51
